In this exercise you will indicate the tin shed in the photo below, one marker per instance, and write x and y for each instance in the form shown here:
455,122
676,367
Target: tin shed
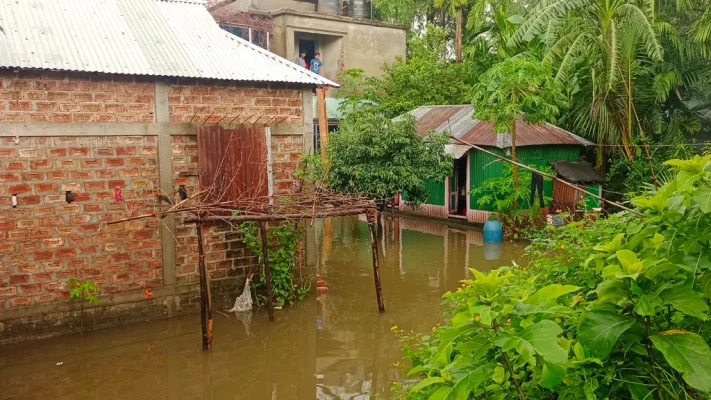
537,146
583,175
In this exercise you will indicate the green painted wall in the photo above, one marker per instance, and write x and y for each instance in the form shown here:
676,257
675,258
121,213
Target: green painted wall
436,191
484,166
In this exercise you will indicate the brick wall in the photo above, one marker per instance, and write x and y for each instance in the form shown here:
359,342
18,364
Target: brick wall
47,241
286,151
74,97
231,103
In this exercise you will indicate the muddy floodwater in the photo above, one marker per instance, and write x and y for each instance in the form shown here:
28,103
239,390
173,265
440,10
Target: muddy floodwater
329,346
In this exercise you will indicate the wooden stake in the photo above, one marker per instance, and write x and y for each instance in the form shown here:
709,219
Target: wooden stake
267,270
372,219
205,311
322,122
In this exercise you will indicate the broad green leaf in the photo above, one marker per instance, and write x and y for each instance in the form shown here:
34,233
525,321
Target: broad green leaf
548,308
629,261
461,391
476,348
461,318
703,197
448,336
416,370
441,393
471,375
579,351
551,292
687,301
600,330
589,389
646,305
541,339
675,201
427,382
638,389
486,316
689,354
613,246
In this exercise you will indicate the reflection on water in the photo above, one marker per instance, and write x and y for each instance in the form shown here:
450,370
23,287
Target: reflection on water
330,346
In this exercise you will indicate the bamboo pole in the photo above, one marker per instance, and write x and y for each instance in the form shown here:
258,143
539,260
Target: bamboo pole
322,122
526,167
267,270
205,311
276,217
372,219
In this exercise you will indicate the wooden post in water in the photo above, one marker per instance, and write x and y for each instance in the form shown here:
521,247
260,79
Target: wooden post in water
372,220
205,303
267,270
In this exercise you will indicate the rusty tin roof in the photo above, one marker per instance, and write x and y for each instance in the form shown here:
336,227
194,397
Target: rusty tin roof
459,121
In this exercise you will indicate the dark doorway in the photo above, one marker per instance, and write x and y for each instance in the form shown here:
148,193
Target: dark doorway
310,47
458,188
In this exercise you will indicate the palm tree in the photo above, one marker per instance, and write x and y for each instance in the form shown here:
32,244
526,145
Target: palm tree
599,49
455,8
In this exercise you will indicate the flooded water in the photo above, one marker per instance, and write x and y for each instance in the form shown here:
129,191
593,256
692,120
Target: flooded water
329,346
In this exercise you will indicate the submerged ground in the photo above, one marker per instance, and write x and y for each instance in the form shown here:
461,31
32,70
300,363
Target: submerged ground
330,346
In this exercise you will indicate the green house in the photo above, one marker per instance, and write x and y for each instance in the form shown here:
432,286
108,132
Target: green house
537,145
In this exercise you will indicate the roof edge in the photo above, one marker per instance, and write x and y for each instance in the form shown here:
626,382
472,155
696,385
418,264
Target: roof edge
324,81
311,14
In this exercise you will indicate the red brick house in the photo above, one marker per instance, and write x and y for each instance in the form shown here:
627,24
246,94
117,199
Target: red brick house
103,94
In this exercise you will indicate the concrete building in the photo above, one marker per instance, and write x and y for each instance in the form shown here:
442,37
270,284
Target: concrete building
342,32
105,97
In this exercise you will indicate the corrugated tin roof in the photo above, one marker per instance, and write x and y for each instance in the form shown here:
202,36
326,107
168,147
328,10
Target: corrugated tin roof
458,121
577,172
176,38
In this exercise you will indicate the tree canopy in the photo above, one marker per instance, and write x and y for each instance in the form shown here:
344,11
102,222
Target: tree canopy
634,73
374,155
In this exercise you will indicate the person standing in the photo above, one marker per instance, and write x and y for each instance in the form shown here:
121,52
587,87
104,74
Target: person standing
301,60
316,64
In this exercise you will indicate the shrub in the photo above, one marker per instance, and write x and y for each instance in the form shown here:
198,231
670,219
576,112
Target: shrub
609,309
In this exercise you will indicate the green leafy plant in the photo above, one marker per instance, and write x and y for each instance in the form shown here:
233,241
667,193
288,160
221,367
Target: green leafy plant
610,309
83,290
282,239
376,156
517,88
501,194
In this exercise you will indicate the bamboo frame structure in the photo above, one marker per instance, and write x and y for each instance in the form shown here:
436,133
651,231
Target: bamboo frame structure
204,208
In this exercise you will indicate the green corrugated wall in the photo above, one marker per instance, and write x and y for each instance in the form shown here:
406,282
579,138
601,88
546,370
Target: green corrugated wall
436,191
484,166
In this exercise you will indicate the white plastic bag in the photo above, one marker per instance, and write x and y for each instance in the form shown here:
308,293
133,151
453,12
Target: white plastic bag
244,301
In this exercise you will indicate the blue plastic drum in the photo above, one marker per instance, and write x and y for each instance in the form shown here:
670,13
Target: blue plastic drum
493,232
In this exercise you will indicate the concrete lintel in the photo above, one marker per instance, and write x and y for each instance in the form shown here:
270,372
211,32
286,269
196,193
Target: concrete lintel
286,129
48,129
343,19
316,31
